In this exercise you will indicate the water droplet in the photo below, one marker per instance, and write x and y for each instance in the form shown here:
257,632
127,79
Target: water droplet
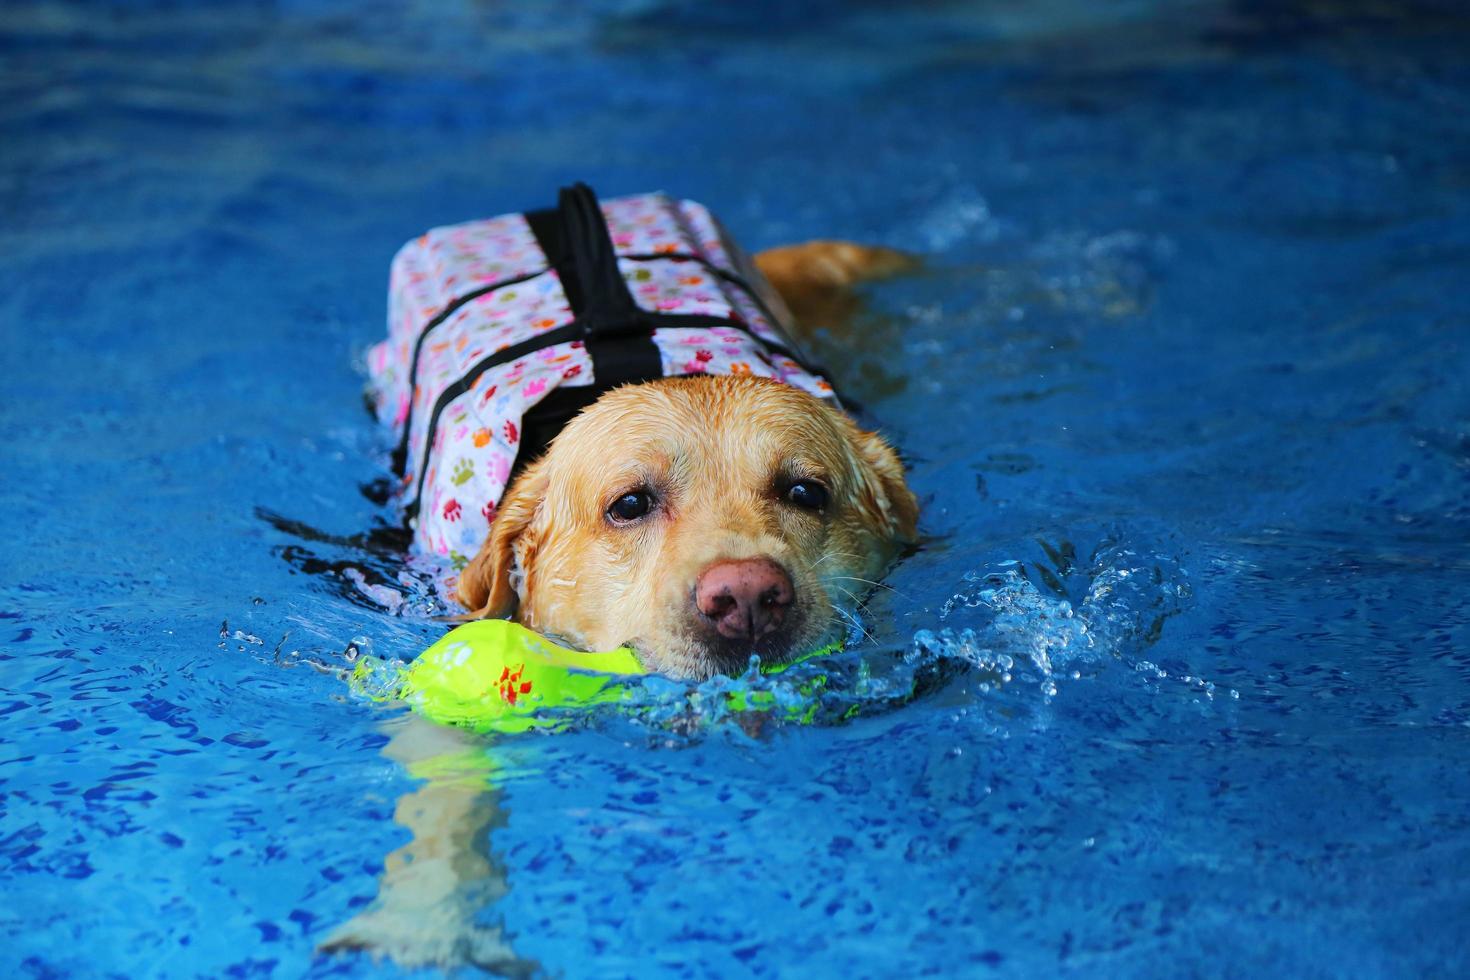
359,646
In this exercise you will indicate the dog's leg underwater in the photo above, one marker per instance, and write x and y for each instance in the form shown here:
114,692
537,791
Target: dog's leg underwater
433,887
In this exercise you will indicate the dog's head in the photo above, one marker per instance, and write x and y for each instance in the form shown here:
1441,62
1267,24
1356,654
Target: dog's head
697,520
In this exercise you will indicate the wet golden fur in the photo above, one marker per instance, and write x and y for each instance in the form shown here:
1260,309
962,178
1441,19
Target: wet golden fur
717,452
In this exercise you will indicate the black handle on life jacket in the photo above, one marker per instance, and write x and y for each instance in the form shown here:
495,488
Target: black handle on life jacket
607,307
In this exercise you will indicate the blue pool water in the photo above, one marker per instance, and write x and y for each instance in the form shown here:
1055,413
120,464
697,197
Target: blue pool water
1183,388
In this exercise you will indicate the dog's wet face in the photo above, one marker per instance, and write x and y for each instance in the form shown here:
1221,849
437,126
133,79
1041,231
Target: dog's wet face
697,520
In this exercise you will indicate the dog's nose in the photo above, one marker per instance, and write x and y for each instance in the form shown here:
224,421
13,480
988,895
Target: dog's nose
744,600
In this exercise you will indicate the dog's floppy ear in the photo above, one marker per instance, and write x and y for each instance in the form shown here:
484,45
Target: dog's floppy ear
889,491
485,585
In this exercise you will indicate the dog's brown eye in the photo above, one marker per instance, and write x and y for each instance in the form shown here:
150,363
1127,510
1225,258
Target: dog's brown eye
807,494
630,507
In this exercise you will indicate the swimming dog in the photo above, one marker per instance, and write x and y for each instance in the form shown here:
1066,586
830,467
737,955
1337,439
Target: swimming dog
697,519
689,485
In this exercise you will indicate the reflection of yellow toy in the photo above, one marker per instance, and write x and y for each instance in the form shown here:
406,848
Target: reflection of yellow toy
493,675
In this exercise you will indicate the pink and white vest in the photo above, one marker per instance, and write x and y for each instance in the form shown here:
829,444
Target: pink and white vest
500,330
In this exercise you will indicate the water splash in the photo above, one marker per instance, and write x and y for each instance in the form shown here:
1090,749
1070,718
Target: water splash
828,690
1057,618
373,679
960,213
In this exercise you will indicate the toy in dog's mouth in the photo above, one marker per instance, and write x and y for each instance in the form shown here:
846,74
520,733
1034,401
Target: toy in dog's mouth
493,675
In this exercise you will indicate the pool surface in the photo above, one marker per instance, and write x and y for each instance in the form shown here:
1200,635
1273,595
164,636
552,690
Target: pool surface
1179,683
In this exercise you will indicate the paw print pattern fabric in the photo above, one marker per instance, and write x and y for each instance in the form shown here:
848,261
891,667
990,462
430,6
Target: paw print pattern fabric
489,319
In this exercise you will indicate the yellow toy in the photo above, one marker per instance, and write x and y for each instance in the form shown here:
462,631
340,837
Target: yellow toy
495,675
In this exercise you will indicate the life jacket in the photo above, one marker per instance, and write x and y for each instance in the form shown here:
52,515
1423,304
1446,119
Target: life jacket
500,330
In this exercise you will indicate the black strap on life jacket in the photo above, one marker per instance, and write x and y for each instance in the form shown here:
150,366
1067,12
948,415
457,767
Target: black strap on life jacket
617,332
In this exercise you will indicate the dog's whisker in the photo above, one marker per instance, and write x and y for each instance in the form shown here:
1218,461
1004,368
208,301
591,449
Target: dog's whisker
852,622
850,618
835,554
871,584
858,601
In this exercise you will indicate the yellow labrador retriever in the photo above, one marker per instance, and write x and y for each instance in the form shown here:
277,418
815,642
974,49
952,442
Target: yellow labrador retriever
697,520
